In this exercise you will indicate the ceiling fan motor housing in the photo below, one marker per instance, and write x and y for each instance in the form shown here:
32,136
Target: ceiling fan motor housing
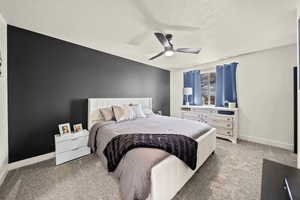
165,40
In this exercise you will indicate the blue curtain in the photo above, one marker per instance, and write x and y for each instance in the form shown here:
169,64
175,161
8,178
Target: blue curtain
192,80
226,84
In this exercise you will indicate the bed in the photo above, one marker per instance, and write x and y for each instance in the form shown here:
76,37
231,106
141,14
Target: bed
170,174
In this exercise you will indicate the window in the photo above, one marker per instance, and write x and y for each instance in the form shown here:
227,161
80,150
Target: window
208,88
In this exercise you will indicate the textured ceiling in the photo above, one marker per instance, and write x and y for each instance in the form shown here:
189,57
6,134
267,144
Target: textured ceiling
223,28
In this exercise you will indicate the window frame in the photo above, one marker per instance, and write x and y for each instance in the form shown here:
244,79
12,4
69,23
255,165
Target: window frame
208,71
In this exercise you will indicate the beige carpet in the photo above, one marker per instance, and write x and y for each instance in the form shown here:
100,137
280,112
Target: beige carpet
233,172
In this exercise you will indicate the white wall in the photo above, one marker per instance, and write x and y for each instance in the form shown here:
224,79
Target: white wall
3,102
265,94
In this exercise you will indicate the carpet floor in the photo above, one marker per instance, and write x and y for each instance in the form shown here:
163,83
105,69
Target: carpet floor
232,173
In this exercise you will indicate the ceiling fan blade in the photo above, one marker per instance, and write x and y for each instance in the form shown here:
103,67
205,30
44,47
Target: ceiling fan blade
160,54
169,37
163,40
153,23
189,50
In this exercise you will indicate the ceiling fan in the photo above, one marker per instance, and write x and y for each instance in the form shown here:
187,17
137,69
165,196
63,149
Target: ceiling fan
165,40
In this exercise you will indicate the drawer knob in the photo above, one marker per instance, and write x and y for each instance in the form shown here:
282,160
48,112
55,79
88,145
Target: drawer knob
75,149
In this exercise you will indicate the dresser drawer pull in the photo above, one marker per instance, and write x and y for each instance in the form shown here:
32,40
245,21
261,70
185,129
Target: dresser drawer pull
74,139
75,149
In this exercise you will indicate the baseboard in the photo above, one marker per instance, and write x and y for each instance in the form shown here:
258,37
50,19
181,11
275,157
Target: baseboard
3,174
30,161
286,146
3,170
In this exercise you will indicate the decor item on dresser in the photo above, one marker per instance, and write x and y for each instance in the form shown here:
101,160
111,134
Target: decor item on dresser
187,92
231,105
225,120
192,79
64,128
226,84
71,146
77,127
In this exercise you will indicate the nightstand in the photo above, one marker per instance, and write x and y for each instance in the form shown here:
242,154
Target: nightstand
71,146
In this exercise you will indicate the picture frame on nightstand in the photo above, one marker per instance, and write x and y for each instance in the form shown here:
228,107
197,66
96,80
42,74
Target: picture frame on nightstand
64,128
77,128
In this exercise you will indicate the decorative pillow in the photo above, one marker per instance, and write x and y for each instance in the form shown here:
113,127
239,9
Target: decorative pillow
121,112
97,116
131,114
148,111
107,113
138,111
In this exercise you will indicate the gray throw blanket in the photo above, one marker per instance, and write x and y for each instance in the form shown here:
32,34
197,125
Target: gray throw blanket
134,169
182,147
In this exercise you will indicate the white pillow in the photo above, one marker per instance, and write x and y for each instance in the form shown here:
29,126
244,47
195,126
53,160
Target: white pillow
138,111
131,114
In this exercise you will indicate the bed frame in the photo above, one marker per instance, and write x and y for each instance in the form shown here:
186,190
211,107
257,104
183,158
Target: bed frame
169,175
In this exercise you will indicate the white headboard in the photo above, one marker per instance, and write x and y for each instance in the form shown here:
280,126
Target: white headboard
95,103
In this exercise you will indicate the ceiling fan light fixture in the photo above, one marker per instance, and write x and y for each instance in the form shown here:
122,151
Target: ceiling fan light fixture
169,53
165,41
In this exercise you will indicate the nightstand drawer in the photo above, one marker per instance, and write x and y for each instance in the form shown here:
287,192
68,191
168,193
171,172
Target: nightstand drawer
70,144
73,154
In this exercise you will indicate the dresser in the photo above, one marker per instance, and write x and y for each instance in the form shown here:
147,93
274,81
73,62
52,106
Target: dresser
71,146
225,120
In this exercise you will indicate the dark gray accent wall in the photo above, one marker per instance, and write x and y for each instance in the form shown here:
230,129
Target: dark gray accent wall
49,81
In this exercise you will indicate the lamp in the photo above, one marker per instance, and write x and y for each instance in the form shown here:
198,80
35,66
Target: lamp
187,91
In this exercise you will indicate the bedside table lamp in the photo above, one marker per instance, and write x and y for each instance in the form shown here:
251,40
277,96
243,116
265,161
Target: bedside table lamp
187,92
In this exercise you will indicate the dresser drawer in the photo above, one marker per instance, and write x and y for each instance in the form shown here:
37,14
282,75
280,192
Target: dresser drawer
227,132
201,111
221,117
70,144
220,124
72,154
